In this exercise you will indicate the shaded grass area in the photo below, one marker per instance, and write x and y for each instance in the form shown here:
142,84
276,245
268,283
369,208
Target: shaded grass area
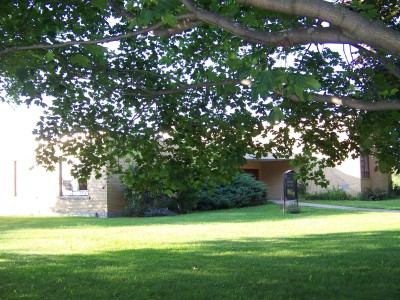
381,204
252,253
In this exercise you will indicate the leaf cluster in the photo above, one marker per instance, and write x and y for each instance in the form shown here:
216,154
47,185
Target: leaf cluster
175,104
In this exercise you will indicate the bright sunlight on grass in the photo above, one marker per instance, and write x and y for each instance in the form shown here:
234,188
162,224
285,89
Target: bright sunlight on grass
251,253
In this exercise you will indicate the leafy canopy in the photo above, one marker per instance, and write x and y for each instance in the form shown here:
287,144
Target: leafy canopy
189,87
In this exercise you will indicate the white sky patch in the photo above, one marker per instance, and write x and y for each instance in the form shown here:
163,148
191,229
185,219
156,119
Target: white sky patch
16,126
114,46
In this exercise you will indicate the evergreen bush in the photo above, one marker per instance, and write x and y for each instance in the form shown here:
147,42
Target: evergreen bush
244,190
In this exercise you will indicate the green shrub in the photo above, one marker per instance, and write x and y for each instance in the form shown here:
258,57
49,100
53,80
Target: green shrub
374,195
302,188
183,202
146,204
330,194
395,192
244,190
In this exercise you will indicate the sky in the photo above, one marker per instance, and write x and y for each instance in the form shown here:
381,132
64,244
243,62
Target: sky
16,125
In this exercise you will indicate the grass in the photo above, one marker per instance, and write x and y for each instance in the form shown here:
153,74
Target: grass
250,253
381,204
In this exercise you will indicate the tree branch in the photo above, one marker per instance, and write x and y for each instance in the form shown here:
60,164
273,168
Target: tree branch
283,38
353,25
393,69
180,27
182,89
352,103
88,42
184,24
119,9
342,101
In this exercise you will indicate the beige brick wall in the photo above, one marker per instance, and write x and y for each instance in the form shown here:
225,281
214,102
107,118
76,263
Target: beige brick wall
377,179
106,198
345,176
37,192
115,195
94,203
271,172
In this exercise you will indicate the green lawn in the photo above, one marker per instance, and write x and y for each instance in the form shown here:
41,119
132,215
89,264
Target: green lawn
382,204
251,253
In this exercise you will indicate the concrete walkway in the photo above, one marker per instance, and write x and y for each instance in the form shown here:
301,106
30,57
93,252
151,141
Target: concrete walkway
280,202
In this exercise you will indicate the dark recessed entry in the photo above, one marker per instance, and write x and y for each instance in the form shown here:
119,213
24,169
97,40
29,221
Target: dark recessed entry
254,172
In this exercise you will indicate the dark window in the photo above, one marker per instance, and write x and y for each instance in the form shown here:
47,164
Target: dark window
68,186
82,183
365,172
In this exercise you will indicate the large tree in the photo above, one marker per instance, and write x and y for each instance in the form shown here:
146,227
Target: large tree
189,87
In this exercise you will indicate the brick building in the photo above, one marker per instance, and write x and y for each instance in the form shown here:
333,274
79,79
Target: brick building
27,189
353,175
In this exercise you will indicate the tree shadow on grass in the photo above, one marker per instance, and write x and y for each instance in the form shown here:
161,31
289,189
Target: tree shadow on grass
362,265
270,212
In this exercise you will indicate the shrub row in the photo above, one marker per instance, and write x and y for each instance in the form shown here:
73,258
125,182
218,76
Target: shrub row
330,194
338,194
243,190
374,195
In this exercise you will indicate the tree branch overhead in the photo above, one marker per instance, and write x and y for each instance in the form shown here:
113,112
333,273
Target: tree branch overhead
209,78
353,25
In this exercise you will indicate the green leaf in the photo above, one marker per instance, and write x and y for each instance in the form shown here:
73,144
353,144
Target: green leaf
100,4
276,115
299,92
168,192
383,167
22,74
393,91
80,60
244,72
96,50
268,81
313,83
165,60
49,56
29,89
146,17
297,79
132,23
169,19
254,93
